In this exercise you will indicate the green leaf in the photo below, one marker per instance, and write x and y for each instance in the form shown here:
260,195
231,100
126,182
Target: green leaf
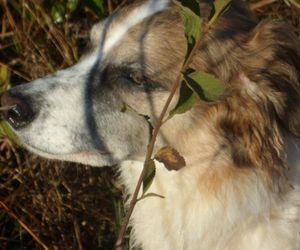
58,12
207,86
5,130
192,24
4,78
220,6
149,175
127,108
72,5
186,101
97,6
170,158
150,195
287,3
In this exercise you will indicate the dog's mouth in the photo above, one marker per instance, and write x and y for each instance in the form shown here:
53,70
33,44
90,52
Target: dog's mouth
67,156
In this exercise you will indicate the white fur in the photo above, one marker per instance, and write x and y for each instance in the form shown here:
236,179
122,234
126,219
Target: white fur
112,36
55,134
243,215
187,219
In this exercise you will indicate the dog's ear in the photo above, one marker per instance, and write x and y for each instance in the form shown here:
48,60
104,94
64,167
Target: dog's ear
273,62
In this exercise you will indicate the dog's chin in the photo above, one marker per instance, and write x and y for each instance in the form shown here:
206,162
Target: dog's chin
96,159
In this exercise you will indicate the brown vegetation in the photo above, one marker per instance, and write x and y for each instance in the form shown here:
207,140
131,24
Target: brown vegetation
60,205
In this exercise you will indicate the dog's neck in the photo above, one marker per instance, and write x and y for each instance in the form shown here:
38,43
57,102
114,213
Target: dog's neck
210,180
192,137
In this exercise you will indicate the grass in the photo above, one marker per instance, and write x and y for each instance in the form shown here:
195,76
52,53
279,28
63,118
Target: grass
64,205
67,206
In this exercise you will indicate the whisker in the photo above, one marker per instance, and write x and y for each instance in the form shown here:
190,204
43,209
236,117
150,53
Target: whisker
5,108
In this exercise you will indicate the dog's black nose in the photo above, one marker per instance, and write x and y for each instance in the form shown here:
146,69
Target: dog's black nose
16,109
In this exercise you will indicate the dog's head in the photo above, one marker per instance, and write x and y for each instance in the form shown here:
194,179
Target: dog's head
77,114
135,56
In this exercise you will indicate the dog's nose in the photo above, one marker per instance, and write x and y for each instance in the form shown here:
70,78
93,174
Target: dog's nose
16,109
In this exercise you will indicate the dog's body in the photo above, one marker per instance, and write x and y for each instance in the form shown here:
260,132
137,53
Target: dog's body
241,214
236,191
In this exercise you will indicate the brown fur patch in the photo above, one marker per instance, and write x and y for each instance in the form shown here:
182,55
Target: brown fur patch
215,180
267,53
250,131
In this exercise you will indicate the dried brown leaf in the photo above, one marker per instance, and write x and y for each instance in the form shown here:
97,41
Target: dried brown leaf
170,158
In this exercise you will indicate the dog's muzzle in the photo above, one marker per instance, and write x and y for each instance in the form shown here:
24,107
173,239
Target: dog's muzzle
16,109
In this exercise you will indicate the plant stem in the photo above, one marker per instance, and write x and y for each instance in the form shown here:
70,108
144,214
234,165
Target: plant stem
150,148
294,2
109,6
23,225
261,4
5,108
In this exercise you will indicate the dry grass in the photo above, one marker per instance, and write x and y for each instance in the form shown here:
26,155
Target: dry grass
64,206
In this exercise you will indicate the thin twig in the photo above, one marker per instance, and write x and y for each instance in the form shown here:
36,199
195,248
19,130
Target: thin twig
5,108
261,4
109,7
150,148
13,149
18,73
23,225
7,34
77,234
293,2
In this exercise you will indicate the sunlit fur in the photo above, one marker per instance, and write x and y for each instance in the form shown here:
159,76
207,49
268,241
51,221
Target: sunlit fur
240,188
234,192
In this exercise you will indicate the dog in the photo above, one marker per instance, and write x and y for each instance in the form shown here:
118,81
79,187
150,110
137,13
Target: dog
240,188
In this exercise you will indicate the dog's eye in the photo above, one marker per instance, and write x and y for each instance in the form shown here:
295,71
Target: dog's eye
137,77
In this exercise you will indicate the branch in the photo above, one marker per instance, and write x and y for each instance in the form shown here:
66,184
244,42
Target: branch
150,148
109,7
261,4
6,108
119,243
294,2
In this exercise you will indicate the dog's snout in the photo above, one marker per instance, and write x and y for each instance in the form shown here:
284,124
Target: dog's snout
16,109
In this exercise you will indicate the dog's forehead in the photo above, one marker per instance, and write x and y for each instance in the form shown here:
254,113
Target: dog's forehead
149,33
110,32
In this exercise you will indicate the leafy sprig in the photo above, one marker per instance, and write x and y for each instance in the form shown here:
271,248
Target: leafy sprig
211,88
